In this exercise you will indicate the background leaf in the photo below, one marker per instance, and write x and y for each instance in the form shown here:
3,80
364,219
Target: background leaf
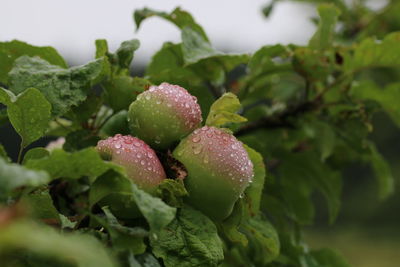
10,51
13,176
83,250
178,17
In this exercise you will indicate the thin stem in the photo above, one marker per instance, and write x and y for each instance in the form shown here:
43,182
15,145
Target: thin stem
21,149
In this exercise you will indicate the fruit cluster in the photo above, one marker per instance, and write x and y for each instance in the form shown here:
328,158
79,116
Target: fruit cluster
217,165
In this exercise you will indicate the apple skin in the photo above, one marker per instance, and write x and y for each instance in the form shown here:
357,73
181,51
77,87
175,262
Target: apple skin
163,115
219,170
142,167
140,161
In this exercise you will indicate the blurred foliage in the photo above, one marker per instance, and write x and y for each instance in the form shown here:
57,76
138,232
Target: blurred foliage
307,110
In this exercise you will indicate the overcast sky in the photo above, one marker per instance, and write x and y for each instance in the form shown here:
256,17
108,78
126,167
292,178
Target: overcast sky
71,26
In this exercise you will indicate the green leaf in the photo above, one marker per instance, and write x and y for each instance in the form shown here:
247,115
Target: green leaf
172,192
195,47
83,250
261,61
223,111
329,258
3,154
178,17
264,244
111,182
123,237
265,68
382,172
10,51
315,65
123,191
42,206
323,135
122,90
268,8
371,53
323,37
190,240
82,113
125,52
147,260
66,222
386,97
13,176
254,192
101,48
35,153
157,213
80,139
63,88
117,124
29,113
230,225
304,172
59,163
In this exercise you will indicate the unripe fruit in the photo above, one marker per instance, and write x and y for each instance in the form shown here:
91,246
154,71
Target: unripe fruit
163,115
138,159
219,170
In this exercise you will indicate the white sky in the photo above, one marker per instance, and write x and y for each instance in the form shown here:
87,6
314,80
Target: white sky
71,26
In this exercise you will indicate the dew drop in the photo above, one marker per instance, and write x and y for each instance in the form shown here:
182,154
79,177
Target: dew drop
117,146
142,162
196,139
136,143
197,150
149,155
147,97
